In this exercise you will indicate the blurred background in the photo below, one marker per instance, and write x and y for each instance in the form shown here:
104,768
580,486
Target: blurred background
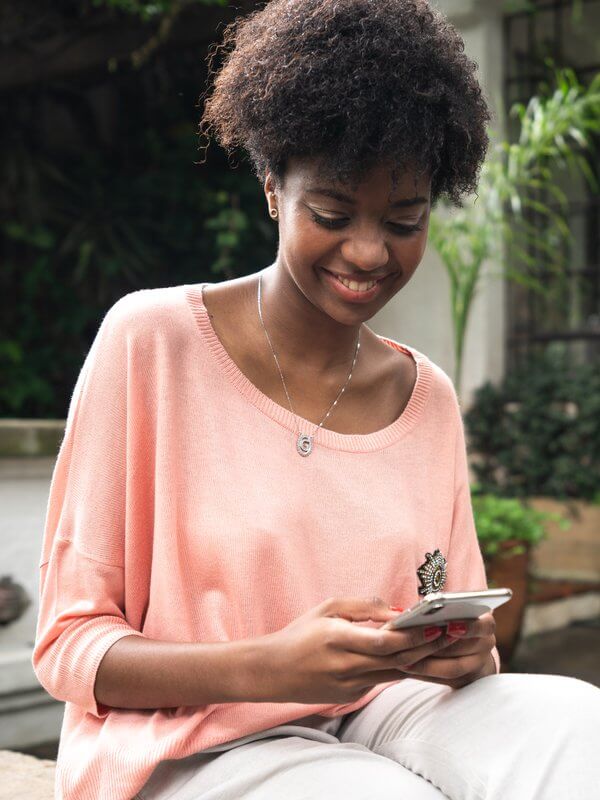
104,190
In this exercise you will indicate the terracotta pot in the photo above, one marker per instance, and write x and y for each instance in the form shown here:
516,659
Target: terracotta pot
512,572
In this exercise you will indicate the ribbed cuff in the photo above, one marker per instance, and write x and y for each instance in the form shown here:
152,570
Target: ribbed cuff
77,672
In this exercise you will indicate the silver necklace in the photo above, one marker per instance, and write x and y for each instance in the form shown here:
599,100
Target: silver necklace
304,442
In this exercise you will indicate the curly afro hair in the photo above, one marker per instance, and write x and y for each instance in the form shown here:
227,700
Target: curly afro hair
355,83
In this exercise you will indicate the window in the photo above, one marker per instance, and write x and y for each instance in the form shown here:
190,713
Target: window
569,319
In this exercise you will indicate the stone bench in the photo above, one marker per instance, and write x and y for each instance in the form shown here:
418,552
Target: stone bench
24,777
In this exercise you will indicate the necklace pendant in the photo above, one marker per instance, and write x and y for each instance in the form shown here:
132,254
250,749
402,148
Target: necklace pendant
304,444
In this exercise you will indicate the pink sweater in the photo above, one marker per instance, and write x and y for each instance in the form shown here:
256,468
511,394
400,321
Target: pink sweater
179,510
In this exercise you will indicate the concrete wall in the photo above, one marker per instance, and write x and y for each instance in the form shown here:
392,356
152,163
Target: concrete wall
420,314
28,715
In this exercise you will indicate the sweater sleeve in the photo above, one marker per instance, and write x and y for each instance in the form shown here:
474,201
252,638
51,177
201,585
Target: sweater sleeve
465,566
81,589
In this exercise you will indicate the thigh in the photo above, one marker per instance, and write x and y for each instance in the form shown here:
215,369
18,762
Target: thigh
523,736
293,768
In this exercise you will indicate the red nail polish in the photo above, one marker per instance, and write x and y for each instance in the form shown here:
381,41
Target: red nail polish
432,633
457,627
396,608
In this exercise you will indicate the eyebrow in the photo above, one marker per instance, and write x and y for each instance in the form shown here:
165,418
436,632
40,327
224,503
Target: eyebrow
343,198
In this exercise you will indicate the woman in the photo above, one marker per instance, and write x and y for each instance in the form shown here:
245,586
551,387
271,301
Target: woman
252,482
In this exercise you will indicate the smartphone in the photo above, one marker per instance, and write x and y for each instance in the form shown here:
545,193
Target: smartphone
441,607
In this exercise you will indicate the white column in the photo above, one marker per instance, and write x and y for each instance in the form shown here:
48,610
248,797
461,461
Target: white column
419,315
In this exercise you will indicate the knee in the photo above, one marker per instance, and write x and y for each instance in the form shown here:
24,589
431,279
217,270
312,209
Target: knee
543,686
568,703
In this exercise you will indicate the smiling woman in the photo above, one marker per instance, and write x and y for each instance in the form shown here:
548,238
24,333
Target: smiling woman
248,473
357,117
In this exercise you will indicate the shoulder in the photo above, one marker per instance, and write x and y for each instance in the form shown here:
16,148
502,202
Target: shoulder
145,307
147,315
441,391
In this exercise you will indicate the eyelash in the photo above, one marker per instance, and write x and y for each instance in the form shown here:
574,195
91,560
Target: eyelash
334,224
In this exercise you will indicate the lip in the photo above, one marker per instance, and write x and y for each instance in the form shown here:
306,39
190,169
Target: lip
347,294
357,278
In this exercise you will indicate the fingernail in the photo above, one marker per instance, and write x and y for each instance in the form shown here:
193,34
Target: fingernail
432,633
396,608
457,627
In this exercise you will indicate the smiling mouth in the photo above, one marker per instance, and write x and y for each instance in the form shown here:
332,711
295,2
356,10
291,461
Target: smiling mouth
356,285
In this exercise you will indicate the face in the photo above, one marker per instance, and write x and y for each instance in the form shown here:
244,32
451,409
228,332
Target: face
368,233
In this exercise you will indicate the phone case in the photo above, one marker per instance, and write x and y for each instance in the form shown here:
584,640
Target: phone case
443,607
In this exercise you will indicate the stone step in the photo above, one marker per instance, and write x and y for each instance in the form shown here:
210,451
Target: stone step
24,777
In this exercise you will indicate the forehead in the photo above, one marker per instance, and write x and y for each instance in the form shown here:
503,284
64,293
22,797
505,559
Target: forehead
306,175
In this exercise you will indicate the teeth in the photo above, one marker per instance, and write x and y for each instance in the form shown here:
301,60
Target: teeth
356,287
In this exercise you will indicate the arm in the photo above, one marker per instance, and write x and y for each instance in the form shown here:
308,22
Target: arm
82,593
87,653
145,673
89,648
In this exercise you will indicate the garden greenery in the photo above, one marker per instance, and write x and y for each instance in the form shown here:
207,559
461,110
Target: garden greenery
104,205
557,130
507,526
537,432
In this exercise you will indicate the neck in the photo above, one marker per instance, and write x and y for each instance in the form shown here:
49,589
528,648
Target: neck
299,331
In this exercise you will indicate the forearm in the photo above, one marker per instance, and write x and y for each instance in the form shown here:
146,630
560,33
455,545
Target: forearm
145,673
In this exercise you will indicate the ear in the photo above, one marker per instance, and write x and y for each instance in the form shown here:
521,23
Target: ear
269,184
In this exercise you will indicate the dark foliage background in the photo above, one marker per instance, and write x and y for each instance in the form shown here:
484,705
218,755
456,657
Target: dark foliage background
537,433
99,192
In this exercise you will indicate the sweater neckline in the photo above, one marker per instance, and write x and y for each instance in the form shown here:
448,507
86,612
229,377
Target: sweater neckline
324,437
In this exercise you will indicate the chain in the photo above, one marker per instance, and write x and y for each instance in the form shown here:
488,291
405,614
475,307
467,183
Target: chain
281,373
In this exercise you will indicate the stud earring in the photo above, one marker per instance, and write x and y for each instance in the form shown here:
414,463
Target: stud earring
274,213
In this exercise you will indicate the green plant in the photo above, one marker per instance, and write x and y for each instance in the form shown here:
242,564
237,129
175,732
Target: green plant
512,6
553,130
164,12
506,526
121,208
536,433
152,9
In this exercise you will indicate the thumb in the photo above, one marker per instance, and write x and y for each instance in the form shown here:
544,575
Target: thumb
361,609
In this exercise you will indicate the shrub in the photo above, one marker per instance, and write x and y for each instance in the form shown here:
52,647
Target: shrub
504,519
538,432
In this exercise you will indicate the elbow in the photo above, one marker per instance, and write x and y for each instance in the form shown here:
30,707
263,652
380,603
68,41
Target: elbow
49,668
67,664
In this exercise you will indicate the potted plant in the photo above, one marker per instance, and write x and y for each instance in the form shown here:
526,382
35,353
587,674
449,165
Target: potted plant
536,436
507,529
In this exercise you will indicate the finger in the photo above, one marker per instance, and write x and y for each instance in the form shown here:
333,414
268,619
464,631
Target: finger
447,668
465,647
398,660
358,609
378,642
485,625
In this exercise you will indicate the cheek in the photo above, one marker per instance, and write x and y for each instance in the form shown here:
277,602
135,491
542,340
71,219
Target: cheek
306,243
410,252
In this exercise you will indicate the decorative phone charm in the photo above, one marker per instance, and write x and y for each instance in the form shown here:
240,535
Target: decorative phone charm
432,573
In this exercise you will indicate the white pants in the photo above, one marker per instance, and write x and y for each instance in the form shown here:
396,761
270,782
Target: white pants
503,737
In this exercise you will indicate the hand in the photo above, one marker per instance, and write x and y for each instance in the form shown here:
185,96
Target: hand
323,657
465,659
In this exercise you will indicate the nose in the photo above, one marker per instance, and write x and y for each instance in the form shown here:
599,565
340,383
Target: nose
367,251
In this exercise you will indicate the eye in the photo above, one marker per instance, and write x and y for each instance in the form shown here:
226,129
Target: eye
327,222
401,230
405,230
